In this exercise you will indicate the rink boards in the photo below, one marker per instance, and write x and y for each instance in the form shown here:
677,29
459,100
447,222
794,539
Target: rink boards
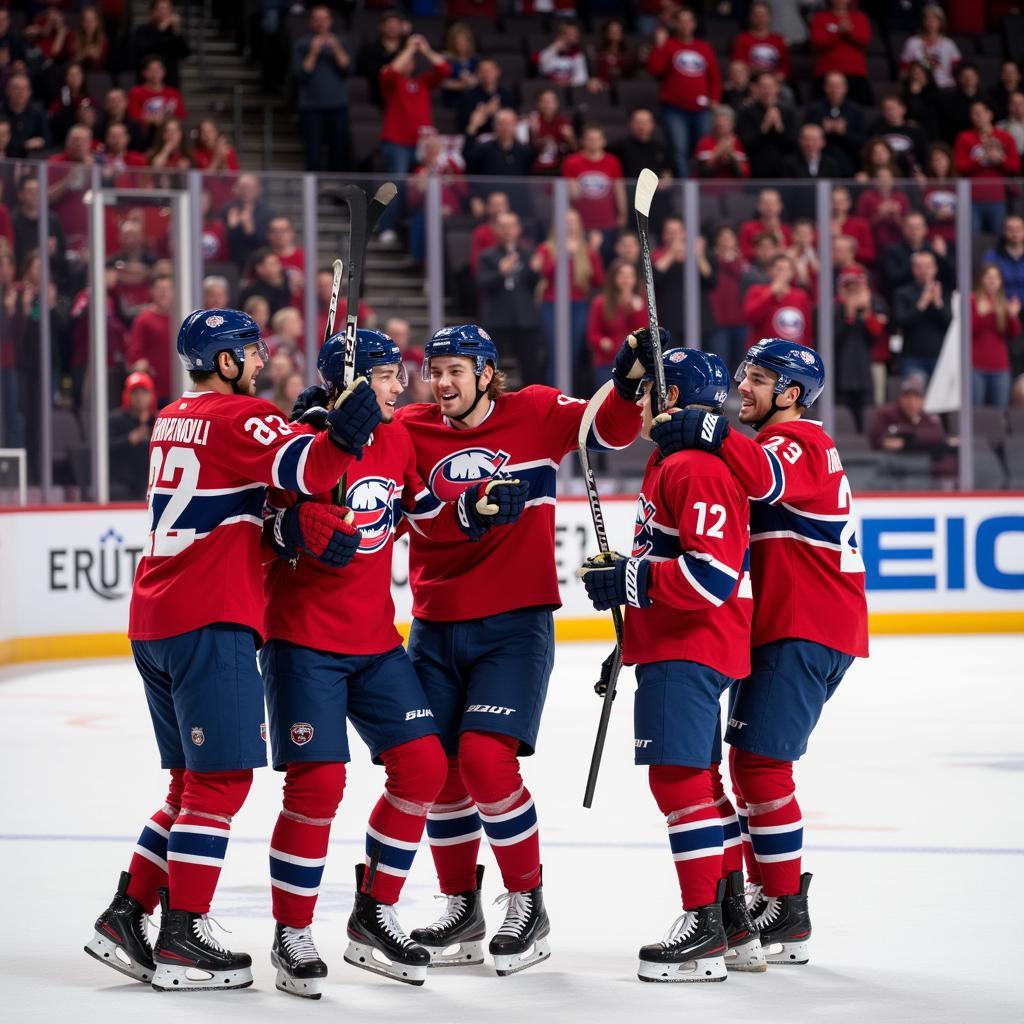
934,564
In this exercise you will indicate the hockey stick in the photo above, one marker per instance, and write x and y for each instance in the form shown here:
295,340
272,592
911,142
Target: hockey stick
355,199
378,204
332,309
610,675
646,186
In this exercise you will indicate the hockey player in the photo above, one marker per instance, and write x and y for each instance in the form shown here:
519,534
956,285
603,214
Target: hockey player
687,629
195,620
810,614
333,651
482,638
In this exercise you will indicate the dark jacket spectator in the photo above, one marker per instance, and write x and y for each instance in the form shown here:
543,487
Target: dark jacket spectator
955,104
642,147
895,263
860,320
1008,256
766,129
267,278
247,218
392,30
907,140
842,120
922,99
904,428
488,94
921,311
130,428
503,156
161,37
669,264
30,129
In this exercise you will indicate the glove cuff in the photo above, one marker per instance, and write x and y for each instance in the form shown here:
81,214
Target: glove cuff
637,578
466,514
627,388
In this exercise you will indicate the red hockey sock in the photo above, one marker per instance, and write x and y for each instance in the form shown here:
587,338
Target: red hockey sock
298,848
416,772
749,860
453,829
732,856
490,770
148,866
775,822
198,838
685,797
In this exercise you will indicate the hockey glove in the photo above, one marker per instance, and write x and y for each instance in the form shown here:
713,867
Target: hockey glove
496,503
612,579
312,527
313,397
687,429
354,417
635,360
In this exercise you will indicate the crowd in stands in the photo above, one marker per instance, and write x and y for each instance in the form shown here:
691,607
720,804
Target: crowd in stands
733,95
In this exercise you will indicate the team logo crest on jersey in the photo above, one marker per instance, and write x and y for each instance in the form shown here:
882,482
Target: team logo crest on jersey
788,322
643,529
689,63
460,470
198,736
372,501
763,55
301,733
594,185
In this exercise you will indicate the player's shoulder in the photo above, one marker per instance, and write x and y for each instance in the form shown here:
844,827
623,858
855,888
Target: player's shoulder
418,413
541,396
691,464
809,433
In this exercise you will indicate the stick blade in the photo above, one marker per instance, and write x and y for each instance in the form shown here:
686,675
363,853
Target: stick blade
646,186
385,193
591,411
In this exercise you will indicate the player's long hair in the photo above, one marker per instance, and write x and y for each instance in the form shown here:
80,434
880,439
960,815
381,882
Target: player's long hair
498,385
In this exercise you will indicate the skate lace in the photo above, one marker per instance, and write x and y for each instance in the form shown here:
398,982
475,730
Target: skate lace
453,913
204,933
517,913
770,913
299,944
388,920
680,930
752,893
144,922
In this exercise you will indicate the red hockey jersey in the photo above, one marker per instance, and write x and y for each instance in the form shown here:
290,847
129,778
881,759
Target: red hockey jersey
211,460
524,436
350,610
805,563
691,522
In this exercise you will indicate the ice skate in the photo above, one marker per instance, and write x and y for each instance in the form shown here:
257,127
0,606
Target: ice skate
189,959
693,949
744,952
121,938
522,939
456,938
785,926
377,942
300,971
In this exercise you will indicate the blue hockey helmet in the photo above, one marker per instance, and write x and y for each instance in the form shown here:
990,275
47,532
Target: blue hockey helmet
373,348
207,332
701,377
464,340
795,364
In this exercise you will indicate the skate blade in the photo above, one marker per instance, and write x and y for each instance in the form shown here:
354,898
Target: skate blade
747,957
359,954
112,955
793,953
460,954
175,978
708,969
506,965
304,988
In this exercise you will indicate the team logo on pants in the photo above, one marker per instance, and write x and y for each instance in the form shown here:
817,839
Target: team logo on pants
460,470
198,736
301,733
263,731
372,501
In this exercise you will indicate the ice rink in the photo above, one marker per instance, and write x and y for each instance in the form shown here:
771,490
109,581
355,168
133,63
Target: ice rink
914,817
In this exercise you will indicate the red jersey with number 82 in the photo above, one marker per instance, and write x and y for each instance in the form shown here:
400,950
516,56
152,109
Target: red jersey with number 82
211,459
805,563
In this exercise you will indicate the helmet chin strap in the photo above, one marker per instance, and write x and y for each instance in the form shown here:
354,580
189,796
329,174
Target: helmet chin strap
476,401
772,410
233,381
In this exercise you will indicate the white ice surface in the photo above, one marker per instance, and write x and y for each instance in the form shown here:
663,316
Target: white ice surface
914,817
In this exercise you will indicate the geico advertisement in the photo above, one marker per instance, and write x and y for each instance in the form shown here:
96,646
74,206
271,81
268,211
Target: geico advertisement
70,572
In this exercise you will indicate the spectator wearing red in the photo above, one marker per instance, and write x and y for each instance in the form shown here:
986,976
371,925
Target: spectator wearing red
995,322
804,254
152,102
118,161
690,85
406,112
884,208
485,235
845,222
759,47
586,275
725,299
769,219
563,61
438,161
721,154
617,312
551,134
860,327
778,309
129,267
616,58
595,186
89,44
150,339
49,31
987,155
213,153
839,42
281,240
214,235
70,180
938,194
